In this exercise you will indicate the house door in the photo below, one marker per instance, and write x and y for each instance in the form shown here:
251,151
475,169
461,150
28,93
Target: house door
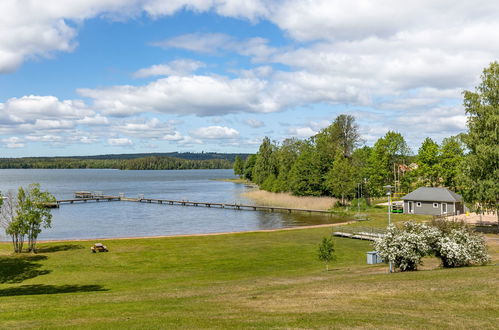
410,207
444,208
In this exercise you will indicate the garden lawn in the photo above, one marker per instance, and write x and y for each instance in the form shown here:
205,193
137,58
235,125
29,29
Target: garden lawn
258,280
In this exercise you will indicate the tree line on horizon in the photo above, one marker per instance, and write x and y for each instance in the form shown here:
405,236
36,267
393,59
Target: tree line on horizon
143,163
335,163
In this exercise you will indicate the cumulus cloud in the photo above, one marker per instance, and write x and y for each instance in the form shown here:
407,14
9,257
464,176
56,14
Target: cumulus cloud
142,128
209,43
412,59
215,43
215,132
254,123
121,142
174,68
32,113
200,95
13,142
42,28
302,132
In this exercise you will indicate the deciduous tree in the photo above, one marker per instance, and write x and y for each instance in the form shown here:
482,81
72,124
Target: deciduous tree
32,213
481,172
428,161
325,252
238,166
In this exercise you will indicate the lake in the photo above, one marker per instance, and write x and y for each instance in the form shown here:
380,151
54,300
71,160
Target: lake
128,219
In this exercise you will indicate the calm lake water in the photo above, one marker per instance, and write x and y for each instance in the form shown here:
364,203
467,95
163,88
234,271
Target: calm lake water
127,219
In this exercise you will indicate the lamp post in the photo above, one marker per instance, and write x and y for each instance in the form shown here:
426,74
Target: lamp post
359,196
389,194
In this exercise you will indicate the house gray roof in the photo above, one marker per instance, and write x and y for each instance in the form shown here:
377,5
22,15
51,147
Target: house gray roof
431,194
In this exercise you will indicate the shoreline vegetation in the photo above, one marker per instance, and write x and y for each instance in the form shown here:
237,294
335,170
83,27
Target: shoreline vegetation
282,199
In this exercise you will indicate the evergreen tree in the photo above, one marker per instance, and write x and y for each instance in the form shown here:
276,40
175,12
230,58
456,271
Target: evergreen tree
481,172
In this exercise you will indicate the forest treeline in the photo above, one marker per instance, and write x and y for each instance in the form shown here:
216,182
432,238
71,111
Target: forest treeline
334,163
142,163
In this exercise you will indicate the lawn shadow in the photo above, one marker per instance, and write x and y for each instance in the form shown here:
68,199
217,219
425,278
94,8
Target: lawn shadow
35,289
57,248
17,269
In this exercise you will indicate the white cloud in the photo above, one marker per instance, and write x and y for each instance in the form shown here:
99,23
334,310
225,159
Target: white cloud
413,59
208,43
189,140
302,132
13,142
174,68
175,136
40,28
44,138
119,142
94,121
141,128
200,95
215,132
254,123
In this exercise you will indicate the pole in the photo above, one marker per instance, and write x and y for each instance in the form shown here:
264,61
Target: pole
389,220
389,193
358,197
389,207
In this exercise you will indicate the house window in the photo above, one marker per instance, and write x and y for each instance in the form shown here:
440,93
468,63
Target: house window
435,205
418,204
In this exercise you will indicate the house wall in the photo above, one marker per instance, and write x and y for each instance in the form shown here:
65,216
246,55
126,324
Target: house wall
427,208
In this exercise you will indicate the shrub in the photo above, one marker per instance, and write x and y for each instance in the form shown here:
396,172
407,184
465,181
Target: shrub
461,247
456,244
405,247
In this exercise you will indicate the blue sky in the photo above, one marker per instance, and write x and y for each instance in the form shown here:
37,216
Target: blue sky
94,77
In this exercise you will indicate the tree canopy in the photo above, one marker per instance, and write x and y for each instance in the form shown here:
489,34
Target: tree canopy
481,169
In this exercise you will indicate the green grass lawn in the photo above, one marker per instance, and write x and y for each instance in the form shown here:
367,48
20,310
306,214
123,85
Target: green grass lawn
250,280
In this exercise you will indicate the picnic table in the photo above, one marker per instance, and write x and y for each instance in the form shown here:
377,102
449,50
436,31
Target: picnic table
99,247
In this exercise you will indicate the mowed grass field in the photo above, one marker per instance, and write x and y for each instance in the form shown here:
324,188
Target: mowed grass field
249,280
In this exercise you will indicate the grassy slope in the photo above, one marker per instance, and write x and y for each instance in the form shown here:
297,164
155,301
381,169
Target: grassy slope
238,280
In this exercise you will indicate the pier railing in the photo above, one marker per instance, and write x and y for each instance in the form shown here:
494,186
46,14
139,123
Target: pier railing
141,199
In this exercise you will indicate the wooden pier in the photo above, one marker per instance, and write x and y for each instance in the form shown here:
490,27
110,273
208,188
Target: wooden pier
230,206
233,206
87,199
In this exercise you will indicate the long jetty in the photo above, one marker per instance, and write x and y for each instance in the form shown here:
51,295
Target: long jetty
235,206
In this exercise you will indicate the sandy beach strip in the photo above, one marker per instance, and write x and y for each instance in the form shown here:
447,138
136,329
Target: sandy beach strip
195,235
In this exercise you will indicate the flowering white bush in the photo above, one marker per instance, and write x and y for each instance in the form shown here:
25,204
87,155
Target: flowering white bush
455,244
404,247
461,247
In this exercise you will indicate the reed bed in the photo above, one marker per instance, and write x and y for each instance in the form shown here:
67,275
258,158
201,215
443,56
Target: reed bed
287,200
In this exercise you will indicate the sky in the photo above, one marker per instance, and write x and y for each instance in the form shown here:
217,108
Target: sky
87,77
